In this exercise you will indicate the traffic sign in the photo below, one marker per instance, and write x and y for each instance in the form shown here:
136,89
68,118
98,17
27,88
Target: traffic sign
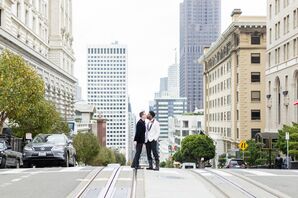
243,145
287,136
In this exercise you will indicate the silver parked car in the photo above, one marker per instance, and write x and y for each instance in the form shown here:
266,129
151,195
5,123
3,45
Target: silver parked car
47,149
9,157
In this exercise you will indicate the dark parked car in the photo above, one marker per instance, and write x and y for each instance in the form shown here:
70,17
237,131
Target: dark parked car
48,149
236,163
8,157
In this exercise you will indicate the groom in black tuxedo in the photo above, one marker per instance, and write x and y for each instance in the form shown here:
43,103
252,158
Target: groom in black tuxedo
139,139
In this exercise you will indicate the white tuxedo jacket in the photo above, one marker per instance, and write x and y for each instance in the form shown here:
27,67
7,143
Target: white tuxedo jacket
152,132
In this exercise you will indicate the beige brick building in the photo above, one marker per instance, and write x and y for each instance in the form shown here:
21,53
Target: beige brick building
282,63
234,82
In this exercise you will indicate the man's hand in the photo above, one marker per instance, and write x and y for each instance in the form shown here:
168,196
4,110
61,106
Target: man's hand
135,143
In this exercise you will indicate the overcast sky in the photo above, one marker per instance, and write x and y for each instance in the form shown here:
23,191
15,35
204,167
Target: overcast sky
150,29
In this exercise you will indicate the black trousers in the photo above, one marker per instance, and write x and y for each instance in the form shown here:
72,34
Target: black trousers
151,147
136,159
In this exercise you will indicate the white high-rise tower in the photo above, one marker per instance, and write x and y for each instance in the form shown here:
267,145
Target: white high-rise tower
107,90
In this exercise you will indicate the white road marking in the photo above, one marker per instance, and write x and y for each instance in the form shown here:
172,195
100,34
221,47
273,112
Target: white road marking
5,184
203,173
259,173
206,174
127,169
200,171
107,169
169,172
13,171
83,180
16,180
124,179
221,173
71,169
101,179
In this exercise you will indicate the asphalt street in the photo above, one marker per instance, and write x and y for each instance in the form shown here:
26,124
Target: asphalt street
118,182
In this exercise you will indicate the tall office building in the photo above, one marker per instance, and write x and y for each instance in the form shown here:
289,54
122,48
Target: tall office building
199,27
173,80
41,32
168,107
131,132
282,64
107,90
165,108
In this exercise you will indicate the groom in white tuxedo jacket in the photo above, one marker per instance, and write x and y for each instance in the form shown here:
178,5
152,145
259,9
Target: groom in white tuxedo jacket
152,136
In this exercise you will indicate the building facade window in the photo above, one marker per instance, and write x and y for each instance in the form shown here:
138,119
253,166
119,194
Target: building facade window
270,11
18,10
269,59
185,124
254,132
185,133
255,77
294,48
255,40
238,134
286,82
270,35
285,25
255,114
27,18
294,19
255,96
255,58
278,30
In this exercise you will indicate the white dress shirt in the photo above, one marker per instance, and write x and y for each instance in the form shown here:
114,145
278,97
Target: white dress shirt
152,130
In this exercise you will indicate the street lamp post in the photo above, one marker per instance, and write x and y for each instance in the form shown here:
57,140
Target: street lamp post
287,139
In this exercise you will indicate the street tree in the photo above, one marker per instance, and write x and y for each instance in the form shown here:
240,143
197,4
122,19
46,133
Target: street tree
256,155
293,142
86,146
196,147
119,158
41,118
20,87
178,156
104,157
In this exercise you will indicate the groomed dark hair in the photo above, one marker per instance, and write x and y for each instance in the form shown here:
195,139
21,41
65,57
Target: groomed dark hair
141,113
152,113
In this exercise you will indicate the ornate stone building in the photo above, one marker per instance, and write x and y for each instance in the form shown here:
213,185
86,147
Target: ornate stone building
282,64
41,32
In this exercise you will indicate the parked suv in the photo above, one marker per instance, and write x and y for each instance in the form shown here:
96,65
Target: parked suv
46,149
8,157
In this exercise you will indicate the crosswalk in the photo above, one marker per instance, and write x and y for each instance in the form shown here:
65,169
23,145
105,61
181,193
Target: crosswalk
248,172
44,170
203,172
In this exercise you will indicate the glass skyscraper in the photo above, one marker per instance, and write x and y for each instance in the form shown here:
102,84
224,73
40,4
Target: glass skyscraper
199,27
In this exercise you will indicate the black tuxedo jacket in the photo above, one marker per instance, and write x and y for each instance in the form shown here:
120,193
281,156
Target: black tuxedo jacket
140,132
